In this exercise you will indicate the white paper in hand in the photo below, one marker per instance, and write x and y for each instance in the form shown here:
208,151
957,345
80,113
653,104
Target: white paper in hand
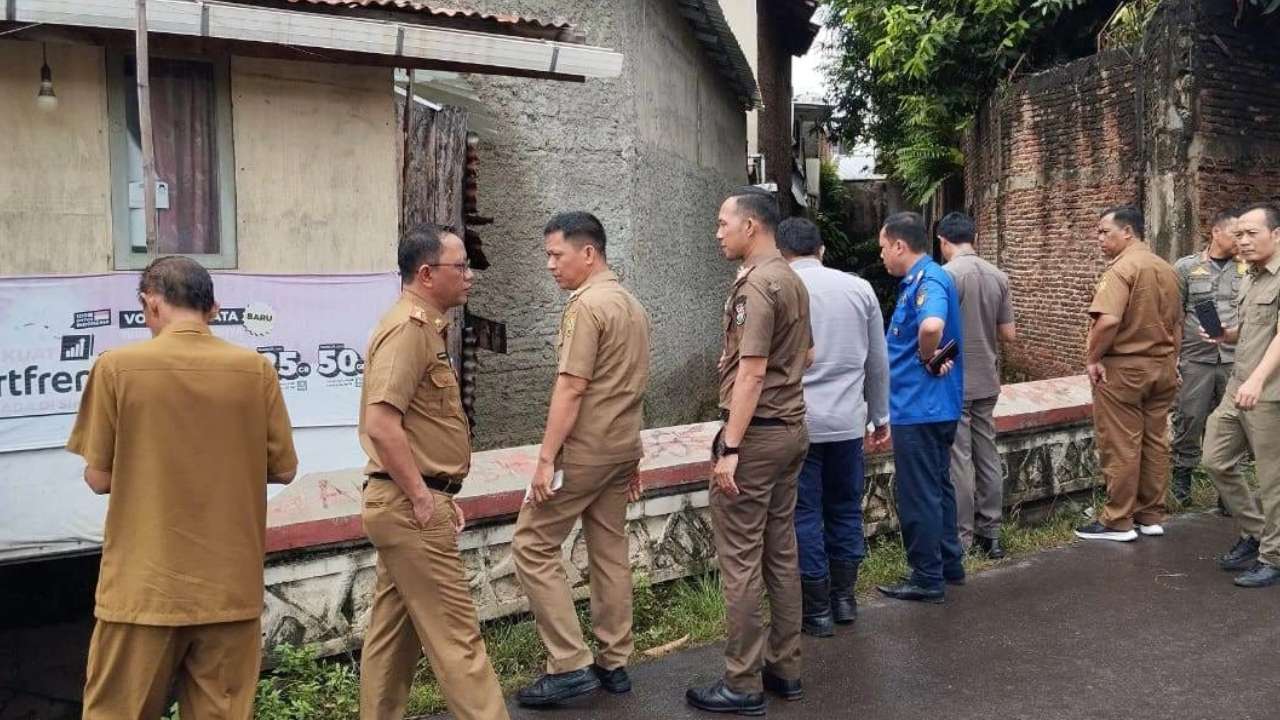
557,481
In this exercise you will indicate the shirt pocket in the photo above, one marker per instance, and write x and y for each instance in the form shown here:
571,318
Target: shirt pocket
444,388
1200,289
1263,310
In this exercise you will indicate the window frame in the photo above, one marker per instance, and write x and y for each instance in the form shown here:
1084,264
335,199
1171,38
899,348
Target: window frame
124,256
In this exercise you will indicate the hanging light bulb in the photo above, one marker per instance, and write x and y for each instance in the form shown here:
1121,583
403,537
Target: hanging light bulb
45,99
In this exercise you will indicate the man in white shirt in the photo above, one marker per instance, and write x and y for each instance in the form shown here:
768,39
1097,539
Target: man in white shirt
846,387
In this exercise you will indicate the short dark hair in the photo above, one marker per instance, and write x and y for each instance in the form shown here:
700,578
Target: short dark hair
579,227
957,228
909,228
1273,213
799,237
1127,216
1223,216
181,281
420,246
758,204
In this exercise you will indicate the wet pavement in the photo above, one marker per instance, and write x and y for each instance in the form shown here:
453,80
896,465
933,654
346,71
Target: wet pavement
1093,631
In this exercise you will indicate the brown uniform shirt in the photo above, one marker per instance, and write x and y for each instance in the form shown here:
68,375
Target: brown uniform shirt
407,366
189,426
1259,305
767,315
604,338
1141,289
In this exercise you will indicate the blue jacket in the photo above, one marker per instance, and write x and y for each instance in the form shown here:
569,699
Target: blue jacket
916,396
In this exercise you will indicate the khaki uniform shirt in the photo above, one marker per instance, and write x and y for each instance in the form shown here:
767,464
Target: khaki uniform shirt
604,339
985,305
1200,279
407,366
189,426
767,315
1141,289
1259,309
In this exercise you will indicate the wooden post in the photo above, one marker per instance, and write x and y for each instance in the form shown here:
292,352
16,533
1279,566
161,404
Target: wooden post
143,74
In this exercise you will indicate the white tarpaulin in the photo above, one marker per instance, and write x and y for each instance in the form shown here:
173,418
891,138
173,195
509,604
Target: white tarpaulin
313,328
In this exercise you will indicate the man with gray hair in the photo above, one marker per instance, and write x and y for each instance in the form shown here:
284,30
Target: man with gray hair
846,387
184,432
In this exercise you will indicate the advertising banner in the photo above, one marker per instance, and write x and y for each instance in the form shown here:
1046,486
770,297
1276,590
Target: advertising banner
313,328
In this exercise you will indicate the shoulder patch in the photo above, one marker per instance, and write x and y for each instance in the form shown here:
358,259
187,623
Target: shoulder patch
921,297
740,311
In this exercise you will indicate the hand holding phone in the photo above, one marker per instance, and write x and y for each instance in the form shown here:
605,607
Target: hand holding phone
945,353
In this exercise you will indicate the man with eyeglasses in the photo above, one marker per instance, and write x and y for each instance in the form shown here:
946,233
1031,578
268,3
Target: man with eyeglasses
418,441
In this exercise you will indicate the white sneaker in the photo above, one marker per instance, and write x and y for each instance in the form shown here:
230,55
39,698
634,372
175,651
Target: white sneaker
1150,530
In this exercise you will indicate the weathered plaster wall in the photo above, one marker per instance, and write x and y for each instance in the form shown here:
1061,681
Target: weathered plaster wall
316,183
55,184
651,153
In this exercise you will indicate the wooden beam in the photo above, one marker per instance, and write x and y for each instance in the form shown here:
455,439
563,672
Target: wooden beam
143,73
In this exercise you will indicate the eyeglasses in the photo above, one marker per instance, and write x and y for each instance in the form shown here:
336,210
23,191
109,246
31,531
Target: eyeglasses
463,266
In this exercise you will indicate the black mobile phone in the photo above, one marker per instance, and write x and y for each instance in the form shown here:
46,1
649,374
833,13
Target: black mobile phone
1207,313
948,352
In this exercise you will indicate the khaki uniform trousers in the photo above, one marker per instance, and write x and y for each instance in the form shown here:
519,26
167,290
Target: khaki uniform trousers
133,667
1203,387
755,537
422,600
977,472
1229,436
1131,424
598,495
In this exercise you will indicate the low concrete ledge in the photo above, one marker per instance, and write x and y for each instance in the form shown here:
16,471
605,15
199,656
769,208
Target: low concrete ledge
320,567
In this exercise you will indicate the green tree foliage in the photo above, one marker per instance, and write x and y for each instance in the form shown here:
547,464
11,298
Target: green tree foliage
910,75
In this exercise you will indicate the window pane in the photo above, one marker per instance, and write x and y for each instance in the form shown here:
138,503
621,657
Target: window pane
183,113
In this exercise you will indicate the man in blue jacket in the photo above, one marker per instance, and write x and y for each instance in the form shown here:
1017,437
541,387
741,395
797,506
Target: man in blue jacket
924,407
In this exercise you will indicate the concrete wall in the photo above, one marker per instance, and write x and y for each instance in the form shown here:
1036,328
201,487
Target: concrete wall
54,222
651,153
316,183
323,595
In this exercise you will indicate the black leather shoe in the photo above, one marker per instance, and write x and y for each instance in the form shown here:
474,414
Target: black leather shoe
989,546
907,590
615,681
815,617
720,699
1241,556
789,690
1180,486
1262,575
955,580
551,689
844,605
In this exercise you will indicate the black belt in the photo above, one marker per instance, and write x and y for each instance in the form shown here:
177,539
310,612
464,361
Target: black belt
757,420
439,484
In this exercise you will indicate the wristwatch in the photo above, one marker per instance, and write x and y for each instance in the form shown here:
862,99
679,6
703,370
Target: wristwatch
726,450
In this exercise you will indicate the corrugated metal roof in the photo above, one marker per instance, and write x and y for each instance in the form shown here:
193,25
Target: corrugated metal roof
717,39
444,12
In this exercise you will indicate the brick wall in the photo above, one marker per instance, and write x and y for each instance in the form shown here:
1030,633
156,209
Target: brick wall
1186,127
1044,158
1236,157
